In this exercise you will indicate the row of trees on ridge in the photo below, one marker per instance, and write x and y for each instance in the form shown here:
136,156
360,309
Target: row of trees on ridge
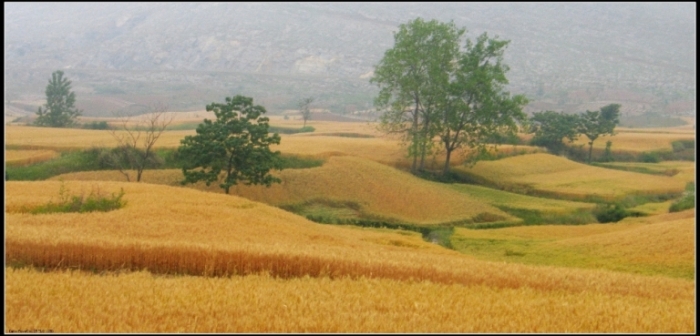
551,128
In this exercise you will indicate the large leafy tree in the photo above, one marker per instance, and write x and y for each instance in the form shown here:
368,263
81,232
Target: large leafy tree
593,124
551,128
58,110
413,77
234,148
477,106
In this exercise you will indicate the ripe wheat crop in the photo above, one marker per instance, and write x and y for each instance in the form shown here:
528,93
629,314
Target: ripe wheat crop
334,271
192,232
632,141
682,170
377,190
71,301
27,157
559,177
68,138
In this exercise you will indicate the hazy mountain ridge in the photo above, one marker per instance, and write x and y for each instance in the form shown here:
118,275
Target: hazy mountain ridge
643,49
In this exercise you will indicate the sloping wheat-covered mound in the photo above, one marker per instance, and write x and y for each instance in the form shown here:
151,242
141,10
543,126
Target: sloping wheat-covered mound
556,176
662,241
351,187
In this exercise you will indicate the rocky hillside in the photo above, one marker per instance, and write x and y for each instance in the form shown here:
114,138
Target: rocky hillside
122,56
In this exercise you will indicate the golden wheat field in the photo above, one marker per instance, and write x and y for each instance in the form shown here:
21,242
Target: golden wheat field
27,157
332,140
631,140
324,278
682,170
28,137
141,302
193,259
559,177
378,191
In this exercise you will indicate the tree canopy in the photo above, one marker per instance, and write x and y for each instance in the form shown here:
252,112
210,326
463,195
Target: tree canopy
551,128
235,145
593,124
58,110
477,104
432,88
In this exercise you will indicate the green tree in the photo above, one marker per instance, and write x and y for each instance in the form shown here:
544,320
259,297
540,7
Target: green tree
58,110
477,106
593,124
305,109
413,77
236,145
551,128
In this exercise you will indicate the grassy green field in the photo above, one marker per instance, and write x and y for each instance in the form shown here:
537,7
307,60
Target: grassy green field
657,245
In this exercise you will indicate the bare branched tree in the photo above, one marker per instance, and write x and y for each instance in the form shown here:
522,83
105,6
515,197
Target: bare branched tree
136,136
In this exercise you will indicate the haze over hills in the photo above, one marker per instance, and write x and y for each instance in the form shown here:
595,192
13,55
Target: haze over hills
564,56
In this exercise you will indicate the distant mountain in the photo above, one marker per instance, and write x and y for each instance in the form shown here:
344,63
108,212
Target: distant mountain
125,55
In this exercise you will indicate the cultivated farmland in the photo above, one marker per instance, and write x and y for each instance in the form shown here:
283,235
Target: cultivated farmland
551,175
170,230
522,252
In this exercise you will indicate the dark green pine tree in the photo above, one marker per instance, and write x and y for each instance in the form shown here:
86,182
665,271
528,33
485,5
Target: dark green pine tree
58,110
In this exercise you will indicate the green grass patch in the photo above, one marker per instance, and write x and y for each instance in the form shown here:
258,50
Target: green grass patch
290,130
641,168
501,248
67,162
94,159
684,203
327,211
95,201
537,217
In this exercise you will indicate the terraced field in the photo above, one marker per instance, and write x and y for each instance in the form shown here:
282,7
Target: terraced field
555,176
682,170
323,277
633,140
183,259
27,157
361,189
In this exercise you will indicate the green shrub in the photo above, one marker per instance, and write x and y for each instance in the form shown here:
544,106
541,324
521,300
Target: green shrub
680,145
684,203
650,157
606,213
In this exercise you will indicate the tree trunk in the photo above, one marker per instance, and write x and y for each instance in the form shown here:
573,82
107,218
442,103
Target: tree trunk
590,151
424,143
446,169
414,129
